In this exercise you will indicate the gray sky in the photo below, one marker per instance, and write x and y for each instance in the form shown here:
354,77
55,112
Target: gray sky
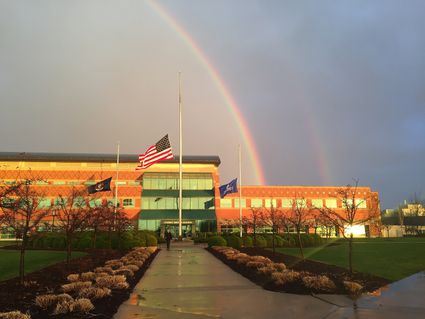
330,90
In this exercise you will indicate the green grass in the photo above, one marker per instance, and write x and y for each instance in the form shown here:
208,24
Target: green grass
34,260
392,258
7,243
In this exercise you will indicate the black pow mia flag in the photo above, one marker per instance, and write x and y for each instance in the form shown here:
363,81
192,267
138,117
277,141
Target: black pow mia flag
102,186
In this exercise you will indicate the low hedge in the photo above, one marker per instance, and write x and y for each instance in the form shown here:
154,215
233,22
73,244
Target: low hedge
234,241
216,241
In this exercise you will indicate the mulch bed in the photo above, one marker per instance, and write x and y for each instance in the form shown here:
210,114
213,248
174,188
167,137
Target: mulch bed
335,273
49,280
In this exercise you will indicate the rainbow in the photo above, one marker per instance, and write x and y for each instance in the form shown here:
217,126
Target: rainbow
219,82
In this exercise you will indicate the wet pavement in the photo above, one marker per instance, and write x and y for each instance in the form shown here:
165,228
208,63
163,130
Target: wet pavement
188,282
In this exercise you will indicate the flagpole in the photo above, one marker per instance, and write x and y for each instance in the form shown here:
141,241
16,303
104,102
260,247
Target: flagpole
180,159
116,180
240,190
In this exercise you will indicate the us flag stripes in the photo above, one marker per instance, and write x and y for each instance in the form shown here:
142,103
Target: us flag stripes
156,153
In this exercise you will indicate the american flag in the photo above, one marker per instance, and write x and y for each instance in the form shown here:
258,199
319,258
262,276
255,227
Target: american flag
156,153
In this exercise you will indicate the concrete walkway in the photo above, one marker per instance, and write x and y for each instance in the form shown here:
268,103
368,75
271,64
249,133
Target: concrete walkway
188,282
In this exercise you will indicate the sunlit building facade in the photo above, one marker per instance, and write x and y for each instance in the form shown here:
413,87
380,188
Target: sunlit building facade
150,197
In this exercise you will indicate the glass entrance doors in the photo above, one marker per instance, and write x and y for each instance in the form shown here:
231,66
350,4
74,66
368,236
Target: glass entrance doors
188,228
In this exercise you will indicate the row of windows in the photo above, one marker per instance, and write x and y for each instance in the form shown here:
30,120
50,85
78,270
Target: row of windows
78,202
173,183
73,182
289,203
172,203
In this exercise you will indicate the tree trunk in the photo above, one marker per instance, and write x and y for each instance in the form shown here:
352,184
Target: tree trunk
350,253
68,250
273,241
300,245
22,262
94,238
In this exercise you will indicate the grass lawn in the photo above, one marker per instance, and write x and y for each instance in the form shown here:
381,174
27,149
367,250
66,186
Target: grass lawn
391,258
34,260
7,242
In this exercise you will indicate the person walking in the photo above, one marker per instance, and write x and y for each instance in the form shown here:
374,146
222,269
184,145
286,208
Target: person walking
168,238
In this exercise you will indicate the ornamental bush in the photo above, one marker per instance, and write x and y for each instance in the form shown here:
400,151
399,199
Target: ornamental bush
261,241
234,241
216,241
247,241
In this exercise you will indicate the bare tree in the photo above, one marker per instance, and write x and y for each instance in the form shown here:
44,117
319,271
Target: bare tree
299,216
72,213
96,218
254,221
349,215
272,217
23,207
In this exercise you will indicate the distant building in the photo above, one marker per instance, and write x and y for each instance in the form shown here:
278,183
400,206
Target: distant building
408,219
150,197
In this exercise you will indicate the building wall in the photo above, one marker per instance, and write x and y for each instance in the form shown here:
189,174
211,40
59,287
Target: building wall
57,177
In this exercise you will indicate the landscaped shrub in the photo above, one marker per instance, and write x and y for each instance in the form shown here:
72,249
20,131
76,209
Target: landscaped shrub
75,286
278,241
290,239
88,276
128,273
234,241
112,282
319,283
216,241
46,301
93,293
261,241
353,288
247,241
280,278
14,315
151,240
83,305
73,277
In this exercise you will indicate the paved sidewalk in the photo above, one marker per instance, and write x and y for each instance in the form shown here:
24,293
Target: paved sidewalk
188,282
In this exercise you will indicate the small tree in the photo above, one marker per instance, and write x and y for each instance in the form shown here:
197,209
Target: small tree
271,216
96,218
349,215
299,216
254,221
22,210
72,216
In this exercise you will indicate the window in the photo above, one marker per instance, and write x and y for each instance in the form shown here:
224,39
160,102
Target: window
286,203
317,203
44,203
225,203
97,202
128,202
256,202
270,202
361,203
300,203
61,201
78,202
243,202
347,203
330,203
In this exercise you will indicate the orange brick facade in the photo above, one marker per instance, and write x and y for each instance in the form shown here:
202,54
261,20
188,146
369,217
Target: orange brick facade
59,172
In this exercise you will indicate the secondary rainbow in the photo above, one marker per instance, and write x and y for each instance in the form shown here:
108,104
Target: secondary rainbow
230,101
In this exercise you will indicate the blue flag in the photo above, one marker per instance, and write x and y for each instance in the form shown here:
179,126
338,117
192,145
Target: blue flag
229,188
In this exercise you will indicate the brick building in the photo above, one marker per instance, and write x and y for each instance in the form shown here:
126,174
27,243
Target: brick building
150,197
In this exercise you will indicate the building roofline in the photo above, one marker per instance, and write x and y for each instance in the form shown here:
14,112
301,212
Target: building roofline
106,158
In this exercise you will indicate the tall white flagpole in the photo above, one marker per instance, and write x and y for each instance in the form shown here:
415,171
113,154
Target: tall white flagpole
240,190
116,180
180,159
